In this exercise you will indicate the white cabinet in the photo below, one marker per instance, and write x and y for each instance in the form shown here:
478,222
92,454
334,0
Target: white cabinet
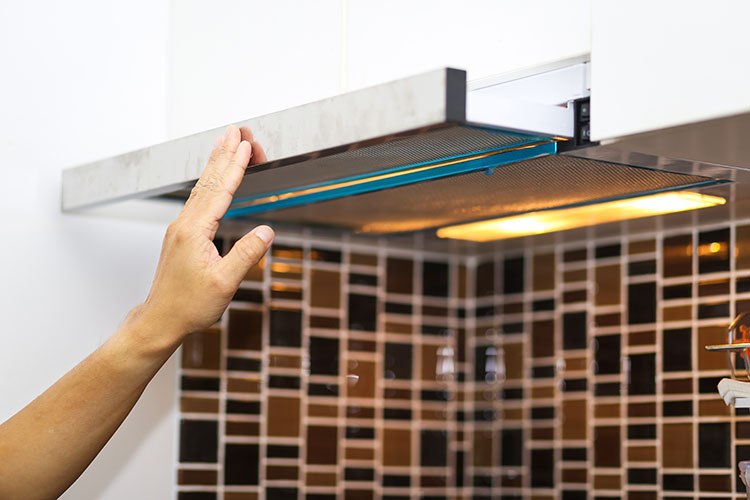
667,63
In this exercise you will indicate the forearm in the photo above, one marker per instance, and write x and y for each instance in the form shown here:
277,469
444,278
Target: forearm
48,444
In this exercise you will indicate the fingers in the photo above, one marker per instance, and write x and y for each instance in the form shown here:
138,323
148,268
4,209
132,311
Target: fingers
259,156
220,198
245,253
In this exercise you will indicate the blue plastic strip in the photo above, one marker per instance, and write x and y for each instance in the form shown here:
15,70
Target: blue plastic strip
408,178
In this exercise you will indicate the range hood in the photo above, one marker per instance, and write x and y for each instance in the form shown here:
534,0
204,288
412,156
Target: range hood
415,155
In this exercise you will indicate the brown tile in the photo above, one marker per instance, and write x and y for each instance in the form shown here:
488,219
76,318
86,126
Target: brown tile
242,428
462,290
321,479
438,311
359,412
429,361
677,256
677,313
249,385
283,416
320,410
360,381
284,361
607,482
512,413
395,327
542,338
542,392
642,410
482,448
573,296
511,480
708,360
255,273
514,361
607,280
358,495
642,495
202,350
642,453
513,308
199,405
608,410
542,434
279,472
677,445
245,329
576,255
642,338
322,445
363,259
713,408
607,446
240,495
576,364
603,320
678,386
742,247
396,447
286,271
360,454
742,430
543,275
286,291
574,475
575,275
395,393
192,476
399,275
715,483
287,252
325,288
643,246
433,481
429,414
574,421
713,287
324,322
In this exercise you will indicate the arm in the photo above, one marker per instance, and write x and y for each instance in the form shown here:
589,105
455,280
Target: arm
50,442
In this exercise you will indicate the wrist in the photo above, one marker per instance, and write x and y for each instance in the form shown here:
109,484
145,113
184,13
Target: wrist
150,333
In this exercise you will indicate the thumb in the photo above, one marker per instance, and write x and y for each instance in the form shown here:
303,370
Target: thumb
246,252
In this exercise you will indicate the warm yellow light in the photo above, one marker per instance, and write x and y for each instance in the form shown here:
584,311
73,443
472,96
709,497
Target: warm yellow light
547,221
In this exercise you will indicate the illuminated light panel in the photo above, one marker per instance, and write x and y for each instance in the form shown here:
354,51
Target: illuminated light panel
560,219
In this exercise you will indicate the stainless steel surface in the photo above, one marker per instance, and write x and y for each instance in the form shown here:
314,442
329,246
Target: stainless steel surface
728,347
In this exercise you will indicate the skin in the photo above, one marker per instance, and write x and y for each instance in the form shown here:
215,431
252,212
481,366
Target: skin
50,442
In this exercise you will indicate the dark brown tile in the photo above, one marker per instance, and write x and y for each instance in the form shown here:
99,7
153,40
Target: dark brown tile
242,428
282,472
607,482
715,483
542,338
642,453
358,495
322,445
245,329
604,320
575,275
543,272
575,476
678,386
643,246
641,410
713,287
433,481
607,446
197,477
677,256
199,405
240,495
642,338
202,350
708,360
321,479
399,275
324,322
542,434
359,453
363,259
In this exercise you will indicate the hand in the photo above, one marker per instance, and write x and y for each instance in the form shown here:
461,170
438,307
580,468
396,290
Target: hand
193,283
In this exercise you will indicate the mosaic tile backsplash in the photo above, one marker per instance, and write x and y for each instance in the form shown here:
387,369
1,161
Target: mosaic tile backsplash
574,371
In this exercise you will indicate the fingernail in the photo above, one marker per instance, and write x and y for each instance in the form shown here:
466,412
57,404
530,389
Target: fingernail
265,233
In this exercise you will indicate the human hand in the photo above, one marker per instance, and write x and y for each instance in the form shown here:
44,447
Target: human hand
193,283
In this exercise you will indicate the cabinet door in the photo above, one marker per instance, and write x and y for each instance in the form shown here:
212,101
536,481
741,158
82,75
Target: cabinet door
666,63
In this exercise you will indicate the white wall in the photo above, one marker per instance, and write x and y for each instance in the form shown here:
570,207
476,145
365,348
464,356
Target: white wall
79,80
85,79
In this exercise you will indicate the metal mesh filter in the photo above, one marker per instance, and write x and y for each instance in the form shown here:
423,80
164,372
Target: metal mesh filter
536,184
388,153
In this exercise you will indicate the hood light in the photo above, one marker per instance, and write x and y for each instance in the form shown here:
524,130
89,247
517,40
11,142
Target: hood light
547,221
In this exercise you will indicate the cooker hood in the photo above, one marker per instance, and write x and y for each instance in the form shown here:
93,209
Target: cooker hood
413,155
